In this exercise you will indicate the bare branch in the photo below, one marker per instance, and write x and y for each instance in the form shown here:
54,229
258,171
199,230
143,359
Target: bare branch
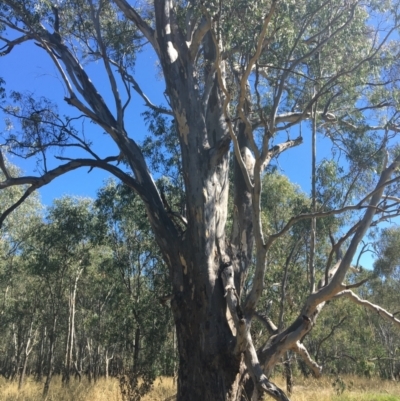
380,187
38,182
375,308
8,211
131,14
3,166
300,349
278,149
243,89
111,78
198,35
330,334
129,78
267,322
359,284
7,48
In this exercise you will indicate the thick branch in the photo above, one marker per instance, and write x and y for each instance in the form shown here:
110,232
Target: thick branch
198,36
300,349
336,283
277,345
3,166
278,149
233,303
267,322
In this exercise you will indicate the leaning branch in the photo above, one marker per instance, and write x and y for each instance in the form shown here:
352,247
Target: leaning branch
375,308
3,166
227,99
198,35
244,342
4,215
278,149
11,43
131,14
300,349
113,83
129,78
360,205
38,182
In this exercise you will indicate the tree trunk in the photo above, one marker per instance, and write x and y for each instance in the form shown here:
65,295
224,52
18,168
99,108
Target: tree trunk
23,371
41,356
288,374
207,371
89,368
210,365
71,331
136,350
107,360
27,351
15,360
50,359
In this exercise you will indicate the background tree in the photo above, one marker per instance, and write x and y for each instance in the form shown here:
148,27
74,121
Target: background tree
226,87
82,297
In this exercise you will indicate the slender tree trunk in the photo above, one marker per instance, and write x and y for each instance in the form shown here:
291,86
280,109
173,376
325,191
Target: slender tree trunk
16,358
288,374
71,331
108,359
78,363
41,355
313,231
174,370
23,371
89,369
27,351
96,364
50,359
136,350
65,375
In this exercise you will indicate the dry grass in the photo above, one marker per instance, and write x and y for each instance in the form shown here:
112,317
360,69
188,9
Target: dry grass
354,389
32,391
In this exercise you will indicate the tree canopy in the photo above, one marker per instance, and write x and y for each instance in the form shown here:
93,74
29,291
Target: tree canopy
239,77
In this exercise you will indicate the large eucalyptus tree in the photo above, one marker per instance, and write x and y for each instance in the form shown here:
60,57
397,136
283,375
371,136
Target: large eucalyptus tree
238,75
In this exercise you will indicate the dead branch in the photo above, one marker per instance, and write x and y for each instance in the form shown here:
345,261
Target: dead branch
375,308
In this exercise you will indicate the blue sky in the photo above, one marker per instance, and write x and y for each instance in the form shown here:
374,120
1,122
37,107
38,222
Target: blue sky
41,77
28,68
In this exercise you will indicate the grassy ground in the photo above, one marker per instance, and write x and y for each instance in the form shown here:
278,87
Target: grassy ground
345,389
